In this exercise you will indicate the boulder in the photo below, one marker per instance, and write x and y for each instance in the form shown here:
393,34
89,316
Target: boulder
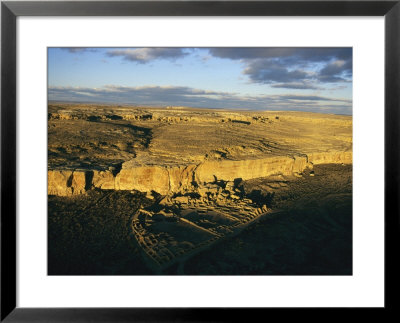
202,191
149,195
166,201
181,199
229,186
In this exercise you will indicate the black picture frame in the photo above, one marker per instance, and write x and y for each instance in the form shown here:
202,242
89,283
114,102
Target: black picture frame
10,10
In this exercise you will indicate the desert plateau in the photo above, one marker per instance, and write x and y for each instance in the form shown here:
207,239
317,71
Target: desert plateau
140,190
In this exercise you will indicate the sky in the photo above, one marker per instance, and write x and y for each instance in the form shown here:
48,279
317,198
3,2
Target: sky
245,78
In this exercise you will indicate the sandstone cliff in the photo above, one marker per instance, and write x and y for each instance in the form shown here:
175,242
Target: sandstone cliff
177,149
166,179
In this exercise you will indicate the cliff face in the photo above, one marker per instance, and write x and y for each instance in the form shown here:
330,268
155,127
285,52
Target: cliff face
65,182
340,157
143,179
228,170
174,150
164,179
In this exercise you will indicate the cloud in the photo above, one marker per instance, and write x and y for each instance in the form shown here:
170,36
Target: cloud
79,49
279,67
140,94
144,55
297,54
291,67
186,96
268,71
311,98
296,85
336,71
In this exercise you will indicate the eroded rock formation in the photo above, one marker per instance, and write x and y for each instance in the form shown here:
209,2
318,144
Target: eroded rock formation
166,179
180,150
65,182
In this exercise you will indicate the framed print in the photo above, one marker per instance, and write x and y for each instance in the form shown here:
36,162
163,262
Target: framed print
194,152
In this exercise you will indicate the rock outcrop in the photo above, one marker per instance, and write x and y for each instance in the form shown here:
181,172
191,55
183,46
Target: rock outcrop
143,178
65,182
166,179
228,170
339,157
172,150
104,180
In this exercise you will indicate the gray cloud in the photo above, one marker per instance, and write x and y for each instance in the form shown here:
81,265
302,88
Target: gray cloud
293,68
310,98
186,96
296,54
296,85
268,71
336,71
79,49
144,55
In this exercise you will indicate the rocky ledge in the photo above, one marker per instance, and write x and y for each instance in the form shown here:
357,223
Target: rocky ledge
169,151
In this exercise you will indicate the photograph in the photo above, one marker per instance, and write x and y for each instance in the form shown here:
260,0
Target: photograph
200,161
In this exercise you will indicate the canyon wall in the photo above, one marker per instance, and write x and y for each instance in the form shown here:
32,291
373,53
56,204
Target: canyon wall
66,182
173,179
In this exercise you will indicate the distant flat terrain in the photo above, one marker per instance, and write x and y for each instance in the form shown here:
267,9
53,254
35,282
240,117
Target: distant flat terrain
90,136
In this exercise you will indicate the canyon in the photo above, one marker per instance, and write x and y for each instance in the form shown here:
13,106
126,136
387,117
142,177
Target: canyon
177,150
174,182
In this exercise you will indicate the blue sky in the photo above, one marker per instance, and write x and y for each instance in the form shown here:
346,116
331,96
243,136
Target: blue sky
259,78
